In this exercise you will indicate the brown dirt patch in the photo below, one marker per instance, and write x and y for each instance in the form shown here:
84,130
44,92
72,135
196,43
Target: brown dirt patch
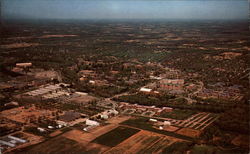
50,36
18,45
55,133
83,99
189,132
118,119
143,142
77,135
171,128
84,137
21,38
23,115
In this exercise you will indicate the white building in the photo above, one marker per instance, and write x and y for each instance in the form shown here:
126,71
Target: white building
153,120
41,129
62,123
81,93
145,90
166,123
23,64
92,123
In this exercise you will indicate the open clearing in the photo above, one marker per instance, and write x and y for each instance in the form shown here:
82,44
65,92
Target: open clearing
64,145
118,119
83,99
58,36
55,133
83,137
18,45
189,132
116,136
143,142
23,115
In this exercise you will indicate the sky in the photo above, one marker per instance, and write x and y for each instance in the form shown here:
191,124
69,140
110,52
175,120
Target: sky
125,9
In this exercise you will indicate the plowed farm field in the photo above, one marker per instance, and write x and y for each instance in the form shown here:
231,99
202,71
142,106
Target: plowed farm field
143,142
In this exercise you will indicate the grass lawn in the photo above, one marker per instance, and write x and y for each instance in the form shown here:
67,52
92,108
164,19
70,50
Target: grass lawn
115,136
179,114
142,123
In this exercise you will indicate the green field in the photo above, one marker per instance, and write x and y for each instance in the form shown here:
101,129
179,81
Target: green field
142,123
179,114
115,136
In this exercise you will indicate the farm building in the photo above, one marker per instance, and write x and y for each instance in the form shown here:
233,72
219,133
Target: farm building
81,93
147,90
23,64
166,123
109,113
49,91
11,141
157,110
92,123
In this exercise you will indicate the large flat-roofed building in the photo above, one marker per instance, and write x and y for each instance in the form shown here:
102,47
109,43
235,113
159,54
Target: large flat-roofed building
92,123
171,84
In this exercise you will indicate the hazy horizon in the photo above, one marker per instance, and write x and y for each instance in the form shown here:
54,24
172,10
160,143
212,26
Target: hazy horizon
121,9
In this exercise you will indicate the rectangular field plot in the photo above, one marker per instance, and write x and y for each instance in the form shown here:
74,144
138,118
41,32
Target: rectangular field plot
143,142
198,121
179,114
142,123
115,136
61,144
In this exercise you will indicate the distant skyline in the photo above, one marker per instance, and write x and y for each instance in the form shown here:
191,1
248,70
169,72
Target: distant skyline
125,9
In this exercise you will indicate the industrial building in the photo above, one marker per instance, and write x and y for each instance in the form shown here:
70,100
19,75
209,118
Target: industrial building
92,123
147,90
11,142
49,91
171,84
